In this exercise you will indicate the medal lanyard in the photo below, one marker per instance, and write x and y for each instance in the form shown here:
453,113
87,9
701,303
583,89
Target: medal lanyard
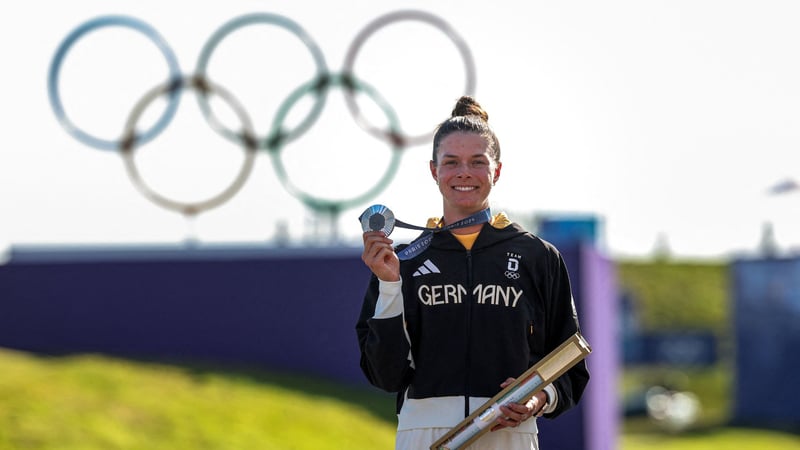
381,218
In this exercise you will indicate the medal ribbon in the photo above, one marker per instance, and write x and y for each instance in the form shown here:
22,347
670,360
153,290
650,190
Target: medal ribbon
420,244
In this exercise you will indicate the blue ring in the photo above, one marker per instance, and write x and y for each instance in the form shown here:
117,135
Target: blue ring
58,59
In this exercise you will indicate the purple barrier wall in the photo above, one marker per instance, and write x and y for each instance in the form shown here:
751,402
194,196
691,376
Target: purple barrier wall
594,423
600,305
287,310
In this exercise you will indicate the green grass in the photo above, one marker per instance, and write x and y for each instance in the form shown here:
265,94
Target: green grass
92,402
102,403
679,294
717,438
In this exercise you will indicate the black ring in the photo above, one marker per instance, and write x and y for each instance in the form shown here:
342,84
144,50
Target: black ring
270,19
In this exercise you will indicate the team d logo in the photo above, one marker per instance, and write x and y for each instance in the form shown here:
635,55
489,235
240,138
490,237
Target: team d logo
512,268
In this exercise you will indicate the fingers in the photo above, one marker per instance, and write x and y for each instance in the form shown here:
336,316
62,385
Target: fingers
376,237
516,412
380,257
513,415
508,381
374,243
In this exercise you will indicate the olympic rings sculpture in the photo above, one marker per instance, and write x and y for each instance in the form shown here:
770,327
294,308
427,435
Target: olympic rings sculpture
278,137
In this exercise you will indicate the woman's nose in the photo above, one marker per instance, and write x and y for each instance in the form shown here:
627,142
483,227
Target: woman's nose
463,170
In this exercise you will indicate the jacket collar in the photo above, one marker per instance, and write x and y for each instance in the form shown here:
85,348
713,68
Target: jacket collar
499,228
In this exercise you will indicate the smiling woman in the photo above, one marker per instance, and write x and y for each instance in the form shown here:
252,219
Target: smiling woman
450,324
466,162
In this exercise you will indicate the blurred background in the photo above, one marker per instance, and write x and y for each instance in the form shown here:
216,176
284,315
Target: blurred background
161,296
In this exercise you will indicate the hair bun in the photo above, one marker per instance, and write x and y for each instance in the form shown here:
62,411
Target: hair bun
467,106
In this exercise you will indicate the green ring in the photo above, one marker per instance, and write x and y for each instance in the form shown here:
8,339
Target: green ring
278,138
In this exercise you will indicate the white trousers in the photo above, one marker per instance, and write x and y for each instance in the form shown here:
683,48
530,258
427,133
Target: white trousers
506,439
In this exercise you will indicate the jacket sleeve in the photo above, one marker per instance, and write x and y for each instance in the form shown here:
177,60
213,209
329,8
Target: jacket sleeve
562,320
382,339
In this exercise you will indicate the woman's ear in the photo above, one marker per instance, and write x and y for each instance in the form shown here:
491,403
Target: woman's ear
497,172
433,171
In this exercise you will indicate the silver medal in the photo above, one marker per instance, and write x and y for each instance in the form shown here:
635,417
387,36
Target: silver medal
377,218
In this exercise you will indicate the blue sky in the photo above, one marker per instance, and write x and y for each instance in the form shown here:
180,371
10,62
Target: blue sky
668,120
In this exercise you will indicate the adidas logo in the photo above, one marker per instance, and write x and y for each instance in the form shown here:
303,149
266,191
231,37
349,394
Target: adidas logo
426,268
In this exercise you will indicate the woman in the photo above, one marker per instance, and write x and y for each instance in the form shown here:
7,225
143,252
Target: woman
454,321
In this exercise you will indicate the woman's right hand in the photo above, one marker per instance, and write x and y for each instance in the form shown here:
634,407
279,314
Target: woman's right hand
380,257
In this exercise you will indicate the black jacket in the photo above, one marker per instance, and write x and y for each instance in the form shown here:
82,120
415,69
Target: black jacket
474,318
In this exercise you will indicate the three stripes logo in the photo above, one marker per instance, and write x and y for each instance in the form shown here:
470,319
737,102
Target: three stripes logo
426,268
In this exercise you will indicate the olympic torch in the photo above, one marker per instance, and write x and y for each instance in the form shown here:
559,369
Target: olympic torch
533,380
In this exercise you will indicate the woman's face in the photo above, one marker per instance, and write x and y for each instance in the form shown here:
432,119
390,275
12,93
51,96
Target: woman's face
465,172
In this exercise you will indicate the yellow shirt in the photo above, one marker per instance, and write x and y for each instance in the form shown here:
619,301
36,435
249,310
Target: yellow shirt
499,220
467,239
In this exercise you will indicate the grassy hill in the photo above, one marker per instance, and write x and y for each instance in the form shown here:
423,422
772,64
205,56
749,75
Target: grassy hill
100,403
93,402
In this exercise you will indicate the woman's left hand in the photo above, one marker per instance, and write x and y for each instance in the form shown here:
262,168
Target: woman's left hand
514,413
